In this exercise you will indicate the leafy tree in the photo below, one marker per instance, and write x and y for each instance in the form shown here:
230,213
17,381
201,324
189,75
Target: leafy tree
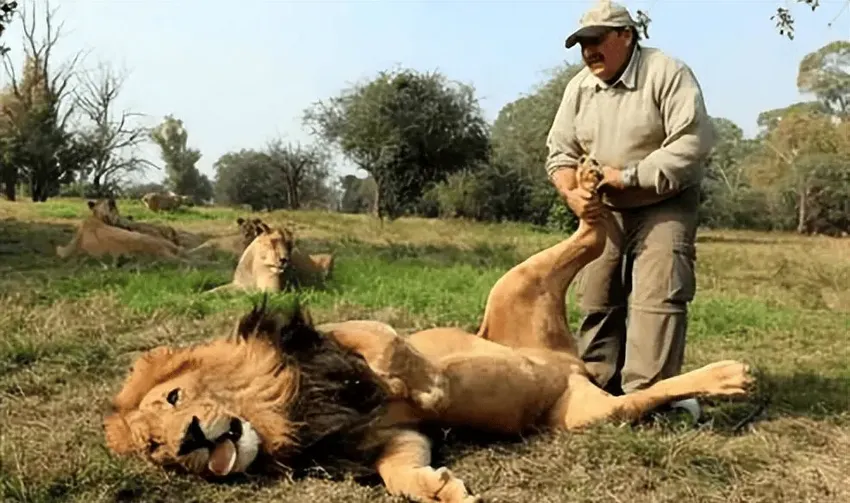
406,129
769,119
826,74
792,159
358,194
37,146
248,177
519,143
182,176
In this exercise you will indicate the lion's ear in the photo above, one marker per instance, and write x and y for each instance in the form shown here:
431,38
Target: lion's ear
91,204
298,333
119,438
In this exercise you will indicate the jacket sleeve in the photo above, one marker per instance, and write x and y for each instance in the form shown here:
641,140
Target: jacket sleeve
679,162
563,146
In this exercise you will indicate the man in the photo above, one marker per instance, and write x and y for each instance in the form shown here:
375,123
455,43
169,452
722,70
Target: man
640,114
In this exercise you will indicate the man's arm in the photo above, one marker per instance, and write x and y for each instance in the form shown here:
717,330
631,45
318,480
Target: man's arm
690,137
564,149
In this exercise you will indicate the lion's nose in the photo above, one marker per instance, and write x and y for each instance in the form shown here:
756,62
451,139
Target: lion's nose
194,438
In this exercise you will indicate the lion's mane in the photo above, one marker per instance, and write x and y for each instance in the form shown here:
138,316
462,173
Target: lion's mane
327,416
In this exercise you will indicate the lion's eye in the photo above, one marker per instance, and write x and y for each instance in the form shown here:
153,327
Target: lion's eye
173,396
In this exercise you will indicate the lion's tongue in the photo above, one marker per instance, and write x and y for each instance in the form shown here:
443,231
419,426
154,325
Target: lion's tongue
222,458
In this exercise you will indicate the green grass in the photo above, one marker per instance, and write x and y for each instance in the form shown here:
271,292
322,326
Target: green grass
70,329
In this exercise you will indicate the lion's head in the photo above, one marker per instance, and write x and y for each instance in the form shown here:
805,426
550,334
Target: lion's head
105,210
276,388
250,229
273,247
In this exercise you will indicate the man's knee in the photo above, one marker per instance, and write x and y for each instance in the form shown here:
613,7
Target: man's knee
599,286
664,278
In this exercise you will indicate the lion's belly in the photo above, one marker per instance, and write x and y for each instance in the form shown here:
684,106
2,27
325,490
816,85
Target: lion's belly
493,387
503,393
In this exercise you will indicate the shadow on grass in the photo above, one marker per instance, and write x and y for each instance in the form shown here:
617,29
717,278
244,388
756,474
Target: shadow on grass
25,243
807,394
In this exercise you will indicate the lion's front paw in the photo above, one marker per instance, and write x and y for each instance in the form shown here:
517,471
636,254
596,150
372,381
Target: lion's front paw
442,486
727,378
589,174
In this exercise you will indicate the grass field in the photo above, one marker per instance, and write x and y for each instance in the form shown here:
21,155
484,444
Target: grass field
68,331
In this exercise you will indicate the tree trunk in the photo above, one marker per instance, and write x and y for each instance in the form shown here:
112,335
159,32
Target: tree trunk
802,211
10,181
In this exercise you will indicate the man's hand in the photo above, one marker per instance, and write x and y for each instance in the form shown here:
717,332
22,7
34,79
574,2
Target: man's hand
585,205
582,203
613,178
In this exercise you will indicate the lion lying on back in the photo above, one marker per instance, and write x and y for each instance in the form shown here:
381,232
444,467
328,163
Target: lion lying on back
271,262
352,396
99,235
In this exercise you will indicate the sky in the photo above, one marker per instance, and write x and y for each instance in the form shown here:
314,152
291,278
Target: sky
241,73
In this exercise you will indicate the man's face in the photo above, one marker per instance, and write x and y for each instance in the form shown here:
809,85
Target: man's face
606,53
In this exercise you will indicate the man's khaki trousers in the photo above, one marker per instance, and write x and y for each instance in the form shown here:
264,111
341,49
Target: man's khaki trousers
635,296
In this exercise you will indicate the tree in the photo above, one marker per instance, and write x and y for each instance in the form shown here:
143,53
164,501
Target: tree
182,176
793,159
826,74
406,129
358,194
519,142
731,148
248,177
112,136
769,119
301,168
37,145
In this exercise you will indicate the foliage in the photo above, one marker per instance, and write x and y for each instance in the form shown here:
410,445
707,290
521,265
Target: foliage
358,194
303,171
182,176
38,147
281,176
406,129
826,74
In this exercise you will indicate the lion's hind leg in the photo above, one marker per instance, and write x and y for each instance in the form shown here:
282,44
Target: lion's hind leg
407,372
404,466
584,404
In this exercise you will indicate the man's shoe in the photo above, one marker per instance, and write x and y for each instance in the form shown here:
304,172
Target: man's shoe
691,405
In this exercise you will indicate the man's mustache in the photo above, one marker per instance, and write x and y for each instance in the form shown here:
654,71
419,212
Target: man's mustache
594,58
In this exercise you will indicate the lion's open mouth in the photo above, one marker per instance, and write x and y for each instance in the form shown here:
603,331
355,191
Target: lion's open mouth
224,452
231,450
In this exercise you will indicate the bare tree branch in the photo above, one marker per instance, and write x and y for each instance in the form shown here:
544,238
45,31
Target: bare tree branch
111,134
